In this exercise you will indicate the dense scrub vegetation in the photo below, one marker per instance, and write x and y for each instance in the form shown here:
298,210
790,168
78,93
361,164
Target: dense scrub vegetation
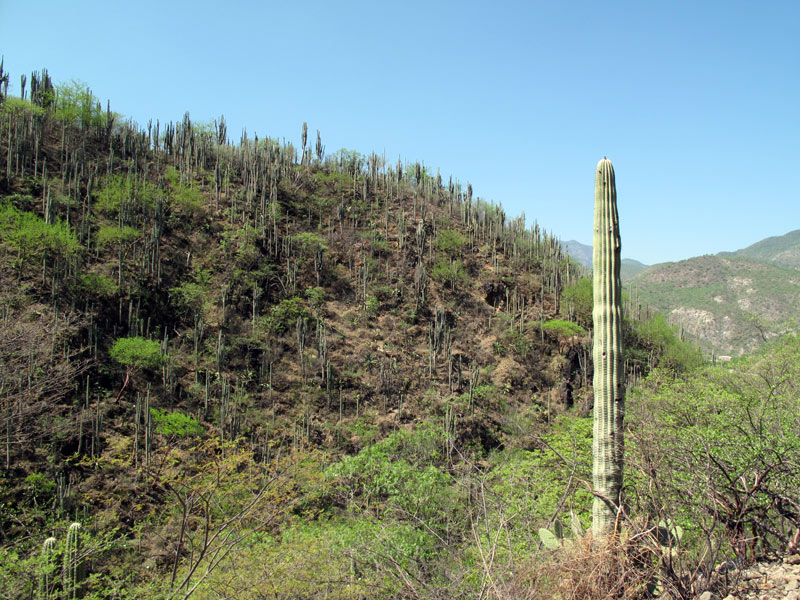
256,371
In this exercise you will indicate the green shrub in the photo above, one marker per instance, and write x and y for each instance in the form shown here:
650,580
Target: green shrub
451,242
719,448
187,198
448,271
30,236
371,306
657,338
97,285
400,474
530,487
316,296
110,234
136,352
283,316
119,192
193,296
563,328
175,424
578,298
40,486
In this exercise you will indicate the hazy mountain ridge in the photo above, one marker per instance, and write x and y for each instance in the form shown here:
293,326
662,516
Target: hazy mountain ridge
731,302
583,254
783,250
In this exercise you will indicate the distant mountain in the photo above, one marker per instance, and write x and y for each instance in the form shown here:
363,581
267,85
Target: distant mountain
580,252
630,268
781,250
731,302
583,254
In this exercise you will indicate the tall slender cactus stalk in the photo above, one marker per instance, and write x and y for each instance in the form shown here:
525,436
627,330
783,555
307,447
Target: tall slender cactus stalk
609,389
47,576
73,569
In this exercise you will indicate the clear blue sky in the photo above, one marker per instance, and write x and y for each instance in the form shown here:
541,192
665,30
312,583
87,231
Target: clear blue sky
697,103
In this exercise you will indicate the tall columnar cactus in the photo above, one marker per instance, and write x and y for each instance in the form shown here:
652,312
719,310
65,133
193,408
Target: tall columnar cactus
47,577
609,389
73,569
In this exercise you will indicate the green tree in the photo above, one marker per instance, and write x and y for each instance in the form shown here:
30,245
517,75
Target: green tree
76,105
284,315
653,342
576,300
449,271
135,353
451,242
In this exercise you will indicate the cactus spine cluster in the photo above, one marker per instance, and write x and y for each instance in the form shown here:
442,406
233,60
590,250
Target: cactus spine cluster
609,389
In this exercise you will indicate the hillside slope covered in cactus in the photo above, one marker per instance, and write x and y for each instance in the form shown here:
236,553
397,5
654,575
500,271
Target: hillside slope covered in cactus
254,369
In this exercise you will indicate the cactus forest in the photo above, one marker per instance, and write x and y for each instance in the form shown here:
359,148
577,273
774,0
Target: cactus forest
236,367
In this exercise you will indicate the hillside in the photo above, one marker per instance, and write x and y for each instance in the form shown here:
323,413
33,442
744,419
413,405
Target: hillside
730,304
317,364
783,250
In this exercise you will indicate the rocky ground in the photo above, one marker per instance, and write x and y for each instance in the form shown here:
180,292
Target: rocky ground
779,580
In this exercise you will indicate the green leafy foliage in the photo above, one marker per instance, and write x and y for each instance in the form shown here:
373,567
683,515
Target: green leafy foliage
721,449
371,305
449,271
563,328
308,242
186,197
250,268
398,471
40,487
127,195
451,242
175,424
137,352
654,337
31,236
316,297
97,285
536,486
76,105
577,299
283,316
193,297
113,235
17,107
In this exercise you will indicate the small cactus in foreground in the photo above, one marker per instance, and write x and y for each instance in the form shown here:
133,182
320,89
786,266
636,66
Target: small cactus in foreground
669,536
553,540
609,388
48,566
73,569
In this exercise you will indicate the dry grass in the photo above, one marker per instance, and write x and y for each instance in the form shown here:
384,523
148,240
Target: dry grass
623,567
